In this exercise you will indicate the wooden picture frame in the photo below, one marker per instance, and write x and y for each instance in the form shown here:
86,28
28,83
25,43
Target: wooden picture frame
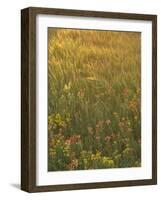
28,98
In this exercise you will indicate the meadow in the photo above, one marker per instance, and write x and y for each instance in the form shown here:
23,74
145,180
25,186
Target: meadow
94,114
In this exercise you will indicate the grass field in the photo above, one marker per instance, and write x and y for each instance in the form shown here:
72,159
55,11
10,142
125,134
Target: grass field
93,99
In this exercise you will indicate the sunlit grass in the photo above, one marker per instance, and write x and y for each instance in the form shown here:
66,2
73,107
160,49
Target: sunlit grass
93,99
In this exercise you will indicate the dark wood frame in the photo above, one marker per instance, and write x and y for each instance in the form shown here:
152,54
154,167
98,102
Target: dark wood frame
28,98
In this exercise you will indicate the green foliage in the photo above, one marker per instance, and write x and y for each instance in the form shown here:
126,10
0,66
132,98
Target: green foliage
93,99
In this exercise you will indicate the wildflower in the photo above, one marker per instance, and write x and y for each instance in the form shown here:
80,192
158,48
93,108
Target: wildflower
128,123
97,138
108,162
113,136
90,130
123,119
73,164
67,86
125,91
121,124
128,151
115,142
52,153
98,153
85,163
108,122
74,139
133,105
115,114
96,156
60,136
107,138
67,142
93,157
118,157
129,130
58,142
52,142
100,123
80,93
97,128
66,151
60,131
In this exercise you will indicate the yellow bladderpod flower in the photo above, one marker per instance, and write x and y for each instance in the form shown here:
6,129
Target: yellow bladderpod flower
108,162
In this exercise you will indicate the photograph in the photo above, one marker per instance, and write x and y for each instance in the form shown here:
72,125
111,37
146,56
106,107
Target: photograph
89,99
94,99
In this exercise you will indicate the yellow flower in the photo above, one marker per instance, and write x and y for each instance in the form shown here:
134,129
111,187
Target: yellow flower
98,154
108,162
128,151
93,157
67,87
115,114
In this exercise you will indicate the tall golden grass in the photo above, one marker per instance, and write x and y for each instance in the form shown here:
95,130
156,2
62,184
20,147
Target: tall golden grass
93,99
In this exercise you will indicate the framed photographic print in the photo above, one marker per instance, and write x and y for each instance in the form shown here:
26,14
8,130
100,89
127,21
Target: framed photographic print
88,99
